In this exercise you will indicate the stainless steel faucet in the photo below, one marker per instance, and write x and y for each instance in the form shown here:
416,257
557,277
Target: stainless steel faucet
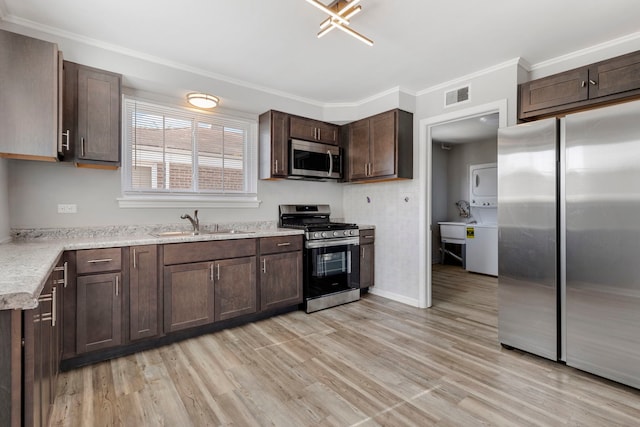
195,222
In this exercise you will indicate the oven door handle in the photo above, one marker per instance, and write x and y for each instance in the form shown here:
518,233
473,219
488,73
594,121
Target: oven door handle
326,243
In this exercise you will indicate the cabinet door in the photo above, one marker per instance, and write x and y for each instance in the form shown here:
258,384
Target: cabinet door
313,130
28,97
143,292
235,287
280,280
617,75
367,257
188,295
274,144
383,144
553,91
358,149
69,111
99,318
98,116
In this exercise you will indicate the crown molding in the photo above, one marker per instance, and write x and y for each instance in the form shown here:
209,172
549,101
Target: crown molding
582,52
464,79
153,59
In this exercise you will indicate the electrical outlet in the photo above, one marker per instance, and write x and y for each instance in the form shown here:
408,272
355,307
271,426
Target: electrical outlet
67,209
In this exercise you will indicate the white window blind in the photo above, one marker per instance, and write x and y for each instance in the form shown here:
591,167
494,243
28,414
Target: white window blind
174,153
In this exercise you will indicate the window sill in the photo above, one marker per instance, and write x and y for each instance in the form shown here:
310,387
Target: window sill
188,201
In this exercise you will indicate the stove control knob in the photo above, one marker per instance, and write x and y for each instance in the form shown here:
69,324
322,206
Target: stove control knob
346,232
324,234
335,233
316,235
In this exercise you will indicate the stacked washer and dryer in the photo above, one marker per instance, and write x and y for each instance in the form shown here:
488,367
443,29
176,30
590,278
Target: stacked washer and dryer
478,237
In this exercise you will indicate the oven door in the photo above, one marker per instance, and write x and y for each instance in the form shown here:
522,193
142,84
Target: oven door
331,267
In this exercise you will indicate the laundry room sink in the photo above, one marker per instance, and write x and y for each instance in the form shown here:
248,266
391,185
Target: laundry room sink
453,232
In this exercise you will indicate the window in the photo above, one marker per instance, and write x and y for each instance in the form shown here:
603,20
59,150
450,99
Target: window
178,157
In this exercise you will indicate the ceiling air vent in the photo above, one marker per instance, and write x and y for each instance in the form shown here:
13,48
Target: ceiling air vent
456,96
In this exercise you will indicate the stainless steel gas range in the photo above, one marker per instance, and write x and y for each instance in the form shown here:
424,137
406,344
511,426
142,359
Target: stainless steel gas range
330,257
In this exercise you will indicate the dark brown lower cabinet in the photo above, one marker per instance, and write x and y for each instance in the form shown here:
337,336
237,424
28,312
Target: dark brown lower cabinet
188,295
367,258
42,351
98,311
235,287
144,292
280,280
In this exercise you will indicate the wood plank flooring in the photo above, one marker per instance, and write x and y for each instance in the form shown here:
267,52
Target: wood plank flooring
374,362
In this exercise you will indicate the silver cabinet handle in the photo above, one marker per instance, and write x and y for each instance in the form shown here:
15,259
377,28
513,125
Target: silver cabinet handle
363,248
264,265
368,236
593,82
583,84
82,146
94,261
117,285
218,272
54,307
330,163
276,165
67,136
47,316
62,281
284,244
134,259
211,272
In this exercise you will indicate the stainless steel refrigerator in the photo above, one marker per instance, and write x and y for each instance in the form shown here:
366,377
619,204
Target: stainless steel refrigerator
569,240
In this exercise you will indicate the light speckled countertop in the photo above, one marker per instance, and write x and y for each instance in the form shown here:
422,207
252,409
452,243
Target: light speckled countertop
25,265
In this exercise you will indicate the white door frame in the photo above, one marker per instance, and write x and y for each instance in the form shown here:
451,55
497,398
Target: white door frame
426,182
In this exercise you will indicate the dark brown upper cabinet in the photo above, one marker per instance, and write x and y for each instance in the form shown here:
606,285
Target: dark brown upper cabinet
380,147
91,116
30,79
274,145
604,82
313,130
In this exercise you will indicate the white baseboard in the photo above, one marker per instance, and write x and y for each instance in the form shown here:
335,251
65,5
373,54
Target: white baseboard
6,239
395,297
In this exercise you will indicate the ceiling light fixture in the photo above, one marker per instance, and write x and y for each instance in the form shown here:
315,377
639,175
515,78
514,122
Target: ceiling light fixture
340,11
203,100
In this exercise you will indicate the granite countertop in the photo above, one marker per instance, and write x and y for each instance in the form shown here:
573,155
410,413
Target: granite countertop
25,265
366,227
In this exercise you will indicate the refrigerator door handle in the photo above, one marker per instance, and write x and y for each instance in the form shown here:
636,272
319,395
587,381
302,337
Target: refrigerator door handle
562,242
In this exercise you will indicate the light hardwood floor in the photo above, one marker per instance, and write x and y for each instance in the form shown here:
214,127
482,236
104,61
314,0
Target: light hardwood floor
374,362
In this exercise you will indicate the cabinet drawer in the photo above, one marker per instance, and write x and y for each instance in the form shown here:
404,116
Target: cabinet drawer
182,253
367,236
274,245
98,260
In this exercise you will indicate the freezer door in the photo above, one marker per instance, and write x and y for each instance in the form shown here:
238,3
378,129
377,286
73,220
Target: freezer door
527,243
603,242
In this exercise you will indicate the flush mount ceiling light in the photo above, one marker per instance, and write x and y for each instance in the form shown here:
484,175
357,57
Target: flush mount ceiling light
340,11
202,100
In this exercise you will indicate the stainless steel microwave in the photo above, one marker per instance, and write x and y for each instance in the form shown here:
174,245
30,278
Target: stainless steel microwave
314,160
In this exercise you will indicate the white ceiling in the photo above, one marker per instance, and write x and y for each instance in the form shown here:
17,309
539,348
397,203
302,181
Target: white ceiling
473,129
272,44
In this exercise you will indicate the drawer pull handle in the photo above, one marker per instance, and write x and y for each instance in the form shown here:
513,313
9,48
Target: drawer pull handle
94,261
368,237
284,244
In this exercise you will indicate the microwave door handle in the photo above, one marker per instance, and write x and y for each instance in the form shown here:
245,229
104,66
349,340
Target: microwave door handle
330,163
